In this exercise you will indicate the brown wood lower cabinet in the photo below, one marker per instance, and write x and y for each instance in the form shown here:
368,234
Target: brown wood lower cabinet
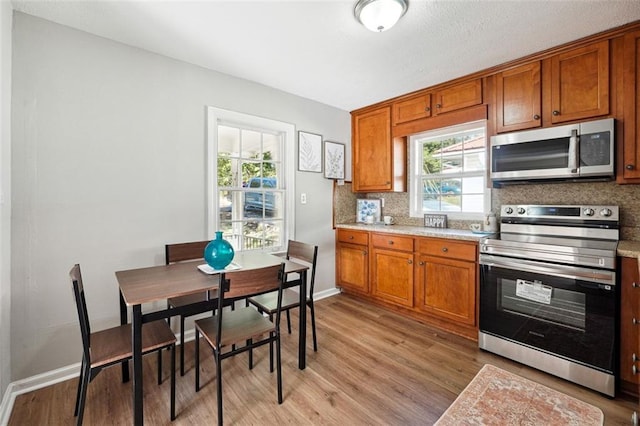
446,280
352,260
629,325
392,268
434,280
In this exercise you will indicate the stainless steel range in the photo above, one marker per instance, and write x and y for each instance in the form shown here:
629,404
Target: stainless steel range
548,294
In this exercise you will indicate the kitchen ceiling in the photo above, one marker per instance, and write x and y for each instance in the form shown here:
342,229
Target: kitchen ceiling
317,49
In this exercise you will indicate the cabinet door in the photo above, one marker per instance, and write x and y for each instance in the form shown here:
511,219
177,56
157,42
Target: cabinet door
372,151
580,83
518,98
352,267
629,312
392,276
447,288
631,148
459,96
411,109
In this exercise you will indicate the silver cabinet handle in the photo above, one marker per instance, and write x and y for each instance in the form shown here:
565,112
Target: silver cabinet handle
634,370
421,263
390,242
444,249
634,418
634,358
634,321
634,284
410,262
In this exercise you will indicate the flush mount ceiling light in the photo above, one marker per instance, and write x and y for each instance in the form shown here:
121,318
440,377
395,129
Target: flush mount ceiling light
379,15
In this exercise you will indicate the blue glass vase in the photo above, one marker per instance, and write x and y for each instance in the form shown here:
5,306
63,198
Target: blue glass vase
218,253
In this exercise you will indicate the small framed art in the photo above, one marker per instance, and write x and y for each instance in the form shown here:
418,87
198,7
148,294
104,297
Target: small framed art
309,152
368,210
333,160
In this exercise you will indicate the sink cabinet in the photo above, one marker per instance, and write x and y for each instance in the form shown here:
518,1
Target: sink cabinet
446,279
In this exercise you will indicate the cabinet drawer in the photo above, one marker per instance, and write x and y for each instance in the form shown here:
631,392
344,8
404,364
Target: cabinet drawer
394,242
353,237
447,248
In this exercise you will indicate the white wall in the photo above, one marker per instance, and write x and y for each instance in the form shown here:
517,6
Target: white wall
108,166
5,195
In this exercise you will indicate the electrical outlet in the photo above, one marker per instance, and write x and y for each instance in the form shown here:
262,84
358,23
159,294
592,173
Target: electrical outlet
303,198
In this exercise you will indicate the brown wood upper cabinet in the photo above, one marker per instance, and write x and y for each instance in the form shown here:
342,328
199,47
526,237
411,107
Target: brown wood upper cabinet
458,96
412,108
579,83
518,98
379,161
631,149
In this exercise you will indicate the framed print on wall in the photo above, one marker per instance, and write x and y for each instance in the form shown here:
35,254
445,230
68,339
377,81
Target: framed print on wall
333,160
309,152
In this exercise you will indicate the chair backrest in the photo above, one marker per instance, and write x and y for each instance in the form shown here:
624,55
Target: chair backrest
184,251
81,305
306,253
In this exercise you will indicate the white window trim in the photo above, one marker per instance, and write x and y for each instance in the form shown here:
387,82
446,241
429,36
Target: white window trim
217,115
415,199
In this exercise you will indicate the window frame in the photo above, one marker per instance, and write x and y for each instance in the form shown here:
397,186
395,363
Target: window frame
216,116
415,167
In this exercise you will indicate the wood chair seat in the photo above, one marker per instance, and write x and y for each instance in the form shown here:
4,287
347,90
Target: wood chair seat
268,303
114,344
237,327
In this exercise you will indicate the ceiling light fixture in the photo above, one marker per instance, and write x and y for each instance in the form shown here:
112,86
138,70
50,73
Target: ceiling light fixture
379,15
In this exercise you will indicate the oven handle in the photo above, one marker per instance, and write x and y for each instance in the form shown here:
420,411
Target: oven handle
571,272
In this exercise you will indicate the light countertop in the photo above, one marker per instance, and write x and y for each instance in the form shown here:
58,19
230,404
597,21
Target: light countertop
626,248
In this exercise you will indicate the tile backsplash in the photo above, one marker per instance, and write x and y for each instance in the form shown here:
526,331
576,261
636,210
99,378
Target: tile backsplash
627,197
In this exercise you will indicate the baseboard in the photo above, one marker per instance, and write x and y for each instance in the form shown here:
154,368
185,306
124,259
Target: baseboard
71,371
32,383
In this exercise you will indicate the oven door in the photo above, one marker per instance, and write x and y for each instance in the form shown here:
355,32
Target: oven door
564,310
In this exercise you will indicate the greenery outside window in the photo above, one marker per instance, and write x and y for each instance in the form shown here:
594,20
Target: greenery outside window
448,172
250,180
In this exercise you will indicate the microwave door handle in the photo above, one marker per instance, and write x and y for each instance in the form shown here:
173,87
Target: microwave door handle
574,155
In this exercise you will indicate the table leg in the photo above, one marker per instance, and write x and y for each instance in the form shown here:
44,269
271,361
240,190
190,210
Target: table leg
302,342
123,321
136,339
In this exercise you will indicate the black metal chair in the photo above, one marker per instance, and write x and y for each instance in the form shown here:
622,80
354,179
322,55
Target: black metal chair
302,253
229,333
108,347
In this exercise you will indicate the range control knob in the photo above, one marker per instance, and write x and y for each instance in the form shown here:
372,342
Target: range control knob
605,212
588,212
508,210
521,210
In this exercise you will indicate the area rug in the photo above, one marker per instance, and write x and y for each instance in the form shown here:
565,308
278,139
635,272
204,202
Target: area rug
498,397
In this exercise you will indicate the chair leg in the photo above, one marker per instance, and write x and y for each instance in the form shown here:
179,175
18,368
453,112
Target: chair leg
173,382
216,355
249,344
182,345
80,380
86,376
313,326
197,360
288,321
159,366
271,350
279,369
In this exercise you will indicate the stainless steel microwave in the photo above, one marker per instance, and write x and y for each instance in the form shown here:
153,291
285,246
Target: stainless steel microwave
569,152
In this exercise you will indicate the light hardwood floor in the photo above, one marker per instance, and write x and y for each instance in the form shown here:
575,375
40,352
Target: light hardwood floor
372,367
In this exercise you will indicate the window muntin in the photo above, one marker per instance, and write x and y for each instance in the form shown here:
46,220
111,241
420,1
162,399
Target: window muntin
248,200
448,172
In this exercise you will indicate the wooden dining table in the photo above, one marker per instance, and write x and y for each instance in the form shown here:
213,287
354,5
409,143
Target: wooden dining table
158,283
